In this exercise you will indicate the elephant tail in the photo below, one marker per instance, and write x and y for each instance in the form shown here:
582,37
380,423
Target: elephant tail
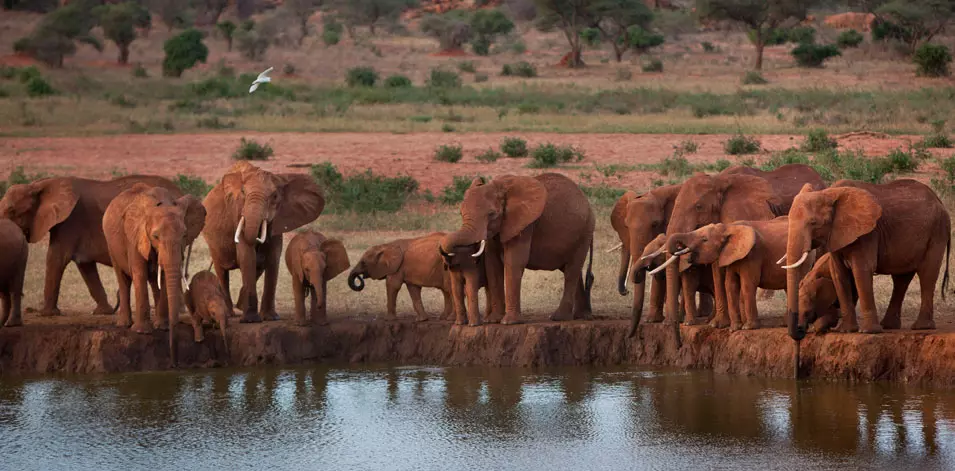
116,306
948,253
589,279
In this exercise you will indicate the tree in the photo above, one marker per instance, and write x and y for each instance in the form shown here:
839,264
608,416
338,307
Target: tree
920,21
55,36
227,28
618,19
174,13
183,52
761,16
451,29
207,12
571,17
486,26
301,10
119,23
371,12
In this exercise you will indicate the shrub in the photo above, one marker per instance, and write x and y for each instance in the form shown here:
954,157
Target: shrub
936,141
252,44
37,87
364,192
814,55
250,150
227,30
454,193
885,30
753,77
675,165
602,195
467,66
519,69
802,35
451,29
486,26
550,155
361,77
624,74
18,177
480,77
708,46
441,78
932,60
27,73
641,40
786,157
183,52
140,72
490,155
902,161
446,127
818,140
213,122
450,154
397,81
687,146
514,147
652,65
331,32
948,165
741,145
852,165
850,38
192,185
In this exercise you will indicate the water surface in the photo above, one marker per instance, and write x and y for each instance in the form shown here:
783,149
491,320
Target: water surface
469,418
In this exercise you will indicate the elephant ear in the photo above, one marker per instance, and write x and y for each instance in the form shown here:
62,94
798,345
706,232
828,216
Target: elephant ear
195,216
740,240
232,181
301,203
56,202
747,198
389,258
524,202
336,258
855,213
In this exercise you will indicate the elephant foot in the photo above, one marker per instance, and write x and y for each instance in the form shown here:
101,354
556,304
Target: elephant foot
561,315
719,323
47,312
141,328
301,322
474,324
270,316
511,320
161,325
654,319
460,322
422,319
923,324
583,316
872,329
751,325
13,322
690,320
845,326
250,318
892,322
821,326
103,310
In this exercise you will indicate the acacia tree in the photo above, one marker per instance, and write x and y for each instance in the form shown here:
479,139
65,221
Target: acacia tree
119,23
617,19
920,21
55,36
371,12
301,10
761,16
571,17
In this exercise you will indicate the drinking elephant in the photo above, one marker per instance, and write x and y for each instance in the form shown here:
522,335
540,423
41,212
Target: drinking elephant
147,230
468,275
899,228
414,263
818,302
741,195
207,303
246,215
539,223
70,210
13,266
312,260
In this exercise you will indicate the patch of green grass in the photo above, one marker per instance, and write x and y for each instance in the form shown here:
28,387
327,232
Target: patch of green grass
361,77
936,141
192,185
613,170
364,192
818,140
752,77
397,81
454,193
519,69
490,155
19,177
786,157
420,119
38,87
902,161
249,149
467,67
549,155
514,147
602,195
441,78
741,144
449,153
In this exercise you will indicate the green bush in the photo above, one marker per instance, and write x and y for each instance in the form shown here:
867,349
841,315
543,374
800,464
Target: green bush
741,145
818,140
37,87
467,66
902,162
853,166
674,166
886,30
361,77
27,73
250,150
192,185
590,36
519,69
183,52
480,77
773,37
140,72
602,195
227,30
641,40
802,35
490,155
441,78
514,147
364,192
814,55
932,60
549,155
331,32
708,46
652,65
454,193
397,81
936,141
753,77
947,165
447,153
850,38
487,25
786,157
251,44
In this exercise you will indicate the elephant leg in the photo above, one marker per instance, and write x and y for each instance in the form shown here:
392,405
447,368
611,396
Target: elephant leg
494,270
732,283
320,306
223,276
748,284
720,311
870,320
141,289
15,319
705,307
95,286
842,280
893,314
246,256
516,256
161,312
56,261
582,306
5,308
392,286
690,285
298,298
457,297
928,275
449,305
414,291
658,292
273,254
124,311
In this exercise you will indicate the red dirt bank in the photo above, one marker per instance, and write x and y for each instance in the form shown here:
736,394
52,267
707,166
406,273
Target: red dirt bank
903,356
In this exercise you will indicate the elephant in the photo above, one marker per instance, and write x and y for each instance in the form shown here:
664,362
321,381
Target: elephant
414,263
313,260
13,267
467,273
539,223
899,228
741,194
70,210
818,301
147,230
246,215
747,252
207,303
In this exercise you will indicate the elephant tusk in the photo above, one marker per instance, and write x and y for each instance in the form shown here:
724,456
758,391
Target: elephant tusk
263,232
629,272
653,255
664,265
805,255
185,273
615,247
681,252
780,261
238,229
159,277
480,250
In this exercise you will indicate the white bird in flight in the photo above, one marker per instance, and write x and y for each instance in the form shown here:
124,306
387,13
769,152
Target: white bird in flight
262,78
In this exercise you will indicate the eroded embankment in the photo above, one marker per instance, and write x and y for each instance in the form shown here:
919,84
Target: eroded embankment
902,356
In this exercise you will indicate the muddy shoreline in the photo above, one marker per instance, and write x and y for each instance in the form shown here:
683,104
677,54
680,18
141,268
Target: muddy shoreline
904,356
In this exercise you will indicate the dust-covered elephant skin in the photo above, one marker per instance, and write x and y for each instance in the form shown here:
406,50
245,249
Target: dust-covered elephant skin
13,266
246,215
818,301
468,275
415,263
541,223
148,230
207,304
313,259
71,211
899,228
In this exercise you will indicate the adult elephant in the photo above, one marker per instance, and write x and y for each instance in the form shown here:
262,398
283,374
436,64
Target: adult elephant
246,215
71,211
899,228
540,223
742,194
147,231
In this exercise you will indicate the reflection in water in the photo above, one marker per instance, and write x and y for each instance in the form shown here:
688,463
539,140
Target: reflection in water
489,418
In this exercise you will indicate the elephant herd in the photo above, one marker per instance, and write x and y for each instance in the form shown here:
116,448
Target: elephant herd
723,236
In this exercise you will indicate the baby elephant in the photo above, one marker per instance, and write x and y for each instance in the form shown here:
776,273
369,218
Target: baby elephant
13,265
468,276
818,301
207,302
313,259
415,263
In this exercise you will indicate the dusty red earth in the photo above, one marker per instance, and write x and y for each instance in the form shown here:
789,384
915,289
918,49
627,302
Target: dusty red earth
209,155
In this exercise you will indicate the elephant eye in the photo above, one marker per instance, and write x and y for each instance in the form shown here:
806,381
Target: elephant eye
704,239
699,206
156,235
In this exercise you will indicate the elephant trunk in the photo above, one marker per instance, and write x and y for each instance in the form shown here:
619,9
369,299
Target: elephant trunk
471,232
170,261
356,278
626,263
471,288
636,311
255,228
222,318
796,249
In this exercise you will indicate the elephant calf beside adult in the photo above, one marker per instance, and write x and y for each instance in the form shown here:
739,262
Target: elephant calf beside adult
539,223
